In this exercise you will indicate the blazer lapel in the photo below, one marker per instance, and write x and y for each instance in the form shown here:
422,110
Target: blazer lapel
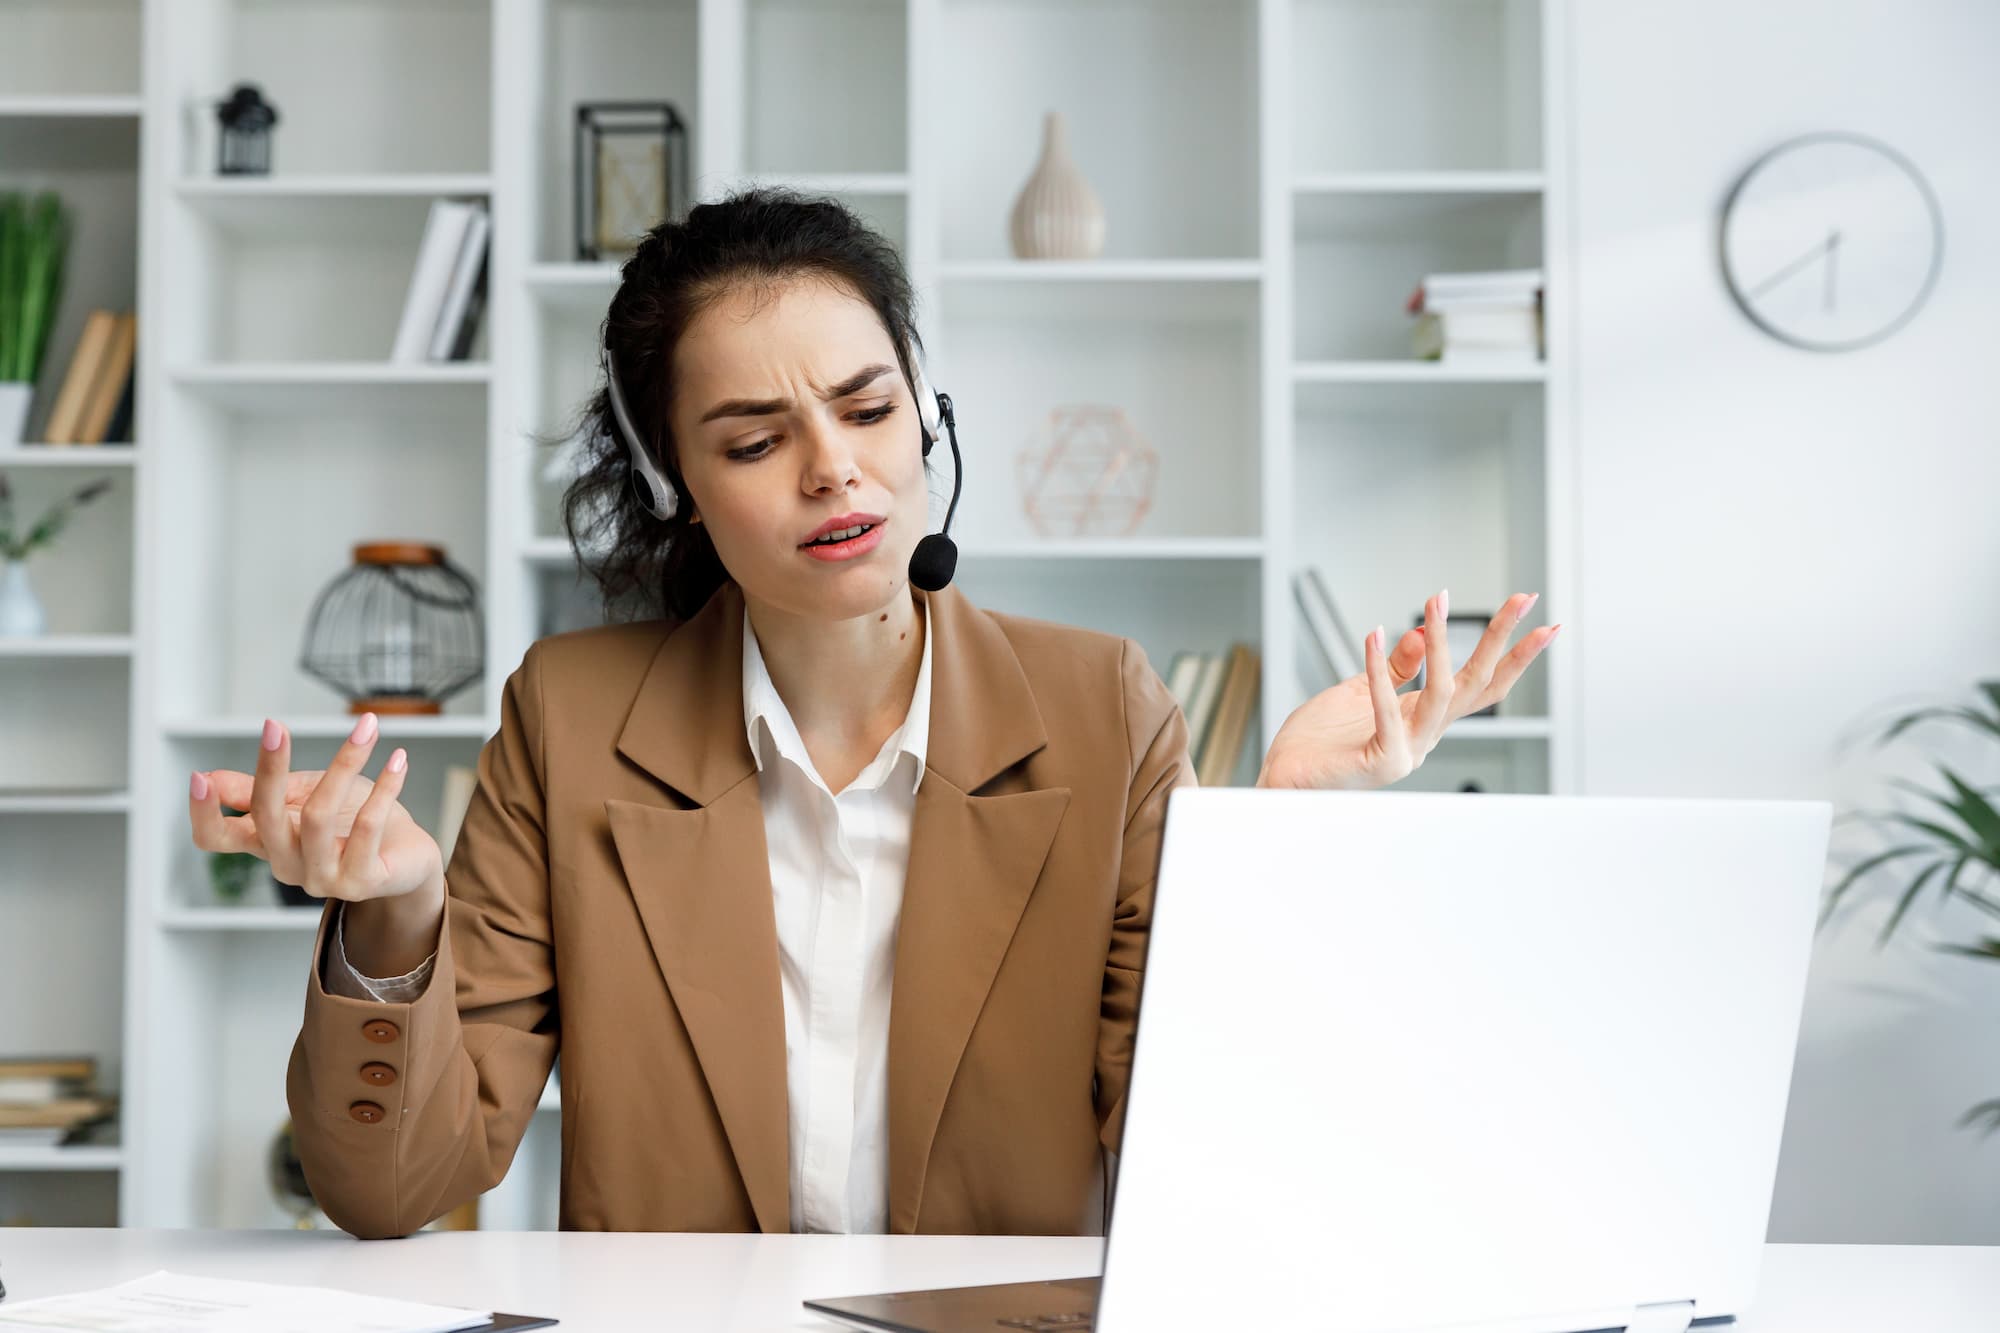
973,863
702,881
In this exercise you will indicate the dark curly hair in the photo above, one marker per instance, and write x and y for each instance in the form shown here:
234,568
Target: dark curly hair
762,236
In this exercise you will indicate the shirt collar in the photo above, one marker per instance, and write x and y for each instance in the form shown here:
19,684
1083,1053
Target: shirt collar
762,701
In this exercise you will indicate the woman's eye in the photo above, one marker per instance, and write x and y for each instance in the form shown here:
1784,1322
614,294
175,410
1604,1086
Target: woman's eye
750,453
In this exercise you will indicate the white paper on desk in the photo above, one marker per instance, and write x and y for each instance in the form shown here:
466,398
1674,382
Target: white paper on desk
164,1302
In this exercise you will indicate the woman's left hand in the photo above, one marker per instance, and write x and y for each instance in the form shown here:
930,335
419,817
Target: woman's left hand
1361,733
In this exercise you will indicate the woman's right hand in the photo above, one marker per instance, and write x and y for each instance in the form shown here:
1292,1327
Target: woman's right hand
332,832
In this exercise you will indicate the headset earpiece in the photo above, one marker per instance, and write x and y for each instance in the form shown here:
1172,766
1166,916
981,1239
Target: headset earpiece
654,490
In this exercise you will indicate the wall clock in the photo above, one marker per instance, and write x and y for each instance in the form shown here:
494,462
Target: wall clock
1831,241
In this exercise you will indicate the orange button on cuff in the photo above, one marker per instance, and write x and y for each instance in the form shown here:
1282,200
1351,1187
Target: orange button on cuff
379,1074
380,1030
367,1113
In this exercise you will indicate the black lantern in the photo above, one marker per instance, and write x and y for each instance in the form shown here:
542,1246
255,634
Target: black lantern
245,144
398,633
631,173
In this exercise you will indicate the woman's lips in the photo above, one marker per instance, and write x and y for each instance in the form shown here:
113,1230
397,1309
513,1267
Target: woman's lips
847,550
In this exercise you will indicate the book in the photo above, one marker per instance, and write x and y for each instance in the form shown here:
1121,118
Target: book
1340,647
109,384
437,256
1181,676
77,379
1443,291
1207,689
1224,744
457,300
475,310
49,1066
186,1303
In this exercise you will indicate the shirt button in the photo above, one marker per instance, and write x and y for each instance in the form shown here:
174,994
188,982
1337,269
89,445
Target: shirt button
379,1029
367,1113
379,1074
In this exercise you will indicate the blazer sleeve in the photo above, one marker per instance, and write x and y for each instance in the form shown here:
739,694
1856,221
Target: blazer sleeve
1157,742
404,1109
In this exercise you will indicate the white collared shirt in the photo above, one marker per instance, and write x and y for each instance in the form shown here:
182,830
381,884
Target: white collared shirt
837,866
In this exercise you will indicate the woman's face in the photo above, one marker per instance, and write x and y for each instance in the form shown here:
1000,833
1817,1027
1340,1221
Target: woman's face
791,411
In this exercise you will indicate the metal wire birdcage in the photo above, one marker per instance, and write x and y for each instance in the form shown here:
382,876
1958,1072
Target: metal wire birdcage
399,632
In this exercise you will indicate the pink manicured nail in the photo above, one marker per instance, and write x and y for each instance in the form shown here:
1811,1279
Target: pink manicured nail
272,734
1528,606
198,786
398,760
364,730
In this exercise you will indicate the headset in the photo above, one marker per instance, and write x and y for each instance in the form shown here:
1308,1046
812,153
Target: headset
936,557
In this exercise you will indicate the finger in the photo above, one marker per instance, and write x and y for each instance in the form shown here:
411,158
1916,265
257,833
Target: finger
1407,656
1526,651
1434,701
233,788
267,803
361,861
1388,715
1476,676
211,829
320,817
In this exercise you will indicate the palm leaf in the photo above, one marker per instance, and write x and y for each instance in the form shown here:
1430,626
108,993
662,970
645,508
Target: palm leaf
1987,1111
1833,894
1903,903
1986,948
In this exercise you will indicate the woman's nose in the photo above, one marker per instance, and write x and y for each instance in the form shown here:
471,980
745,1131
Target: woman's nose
830,456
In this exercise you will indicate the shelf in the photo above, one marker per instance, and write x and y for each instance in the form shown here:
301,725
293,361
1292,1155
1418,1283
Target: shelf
292,388
242,918
57,801
1499,729
337,727
335,185
1419,182
1102,270
71,106
67,645
1414,371
343,210
1118,548
68,455
78,1157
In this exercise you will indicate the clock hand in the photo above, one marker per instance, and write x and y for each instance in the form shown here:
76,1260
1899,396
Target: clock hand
1832,260
1789,269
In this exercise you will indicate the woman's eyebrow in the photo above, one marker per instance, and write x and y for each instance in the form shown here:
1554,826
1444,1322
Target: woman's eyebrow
764,407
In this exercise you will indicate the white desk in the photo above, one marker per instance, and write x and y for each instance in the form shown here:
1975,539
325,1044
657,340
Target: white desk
596,1281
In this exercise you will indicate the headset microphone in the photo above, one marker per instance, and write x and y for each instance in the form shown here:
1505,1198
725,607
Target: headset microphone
933,562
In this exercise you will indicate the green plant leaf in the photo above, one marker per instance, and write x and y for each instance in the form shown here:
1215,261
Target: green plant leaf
1977,812
1972,718
1903,903
1988,948
1833,894
1987,1111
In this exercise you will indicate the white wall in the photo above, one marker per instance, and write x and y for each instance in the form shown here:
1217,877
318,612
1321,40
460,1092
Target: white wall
1779,547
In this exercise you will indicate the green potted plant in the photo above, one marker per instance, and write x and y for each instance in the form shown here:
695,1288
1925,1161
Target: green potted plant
34,243
1953,842
20,609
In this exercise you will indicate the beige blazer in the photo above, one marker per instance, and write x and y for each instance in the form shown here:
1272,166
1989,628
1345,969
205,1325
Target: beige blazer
610,898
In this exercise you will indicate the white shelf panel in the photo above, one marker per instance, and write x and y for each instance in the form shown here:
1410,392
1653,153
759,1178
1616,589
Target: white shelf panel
293,388
79,1157
67,645
64,802
1102,270
304,919
1118,548
339,210
1499,729
335,185
1415,372
1419,182
336,727
72,106
68,455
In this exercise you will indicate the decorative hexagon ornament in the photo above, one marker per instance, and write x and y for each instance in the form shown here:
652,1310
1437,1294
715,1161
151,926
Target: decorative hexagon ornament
1087,473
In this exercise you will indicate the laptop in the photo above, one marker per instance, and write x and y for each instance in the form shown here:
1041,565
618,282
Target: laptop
1492,1063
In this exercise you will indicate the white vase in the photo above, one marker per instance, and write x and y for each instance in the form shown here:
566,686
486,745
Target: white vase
15,396
20,609
1057,214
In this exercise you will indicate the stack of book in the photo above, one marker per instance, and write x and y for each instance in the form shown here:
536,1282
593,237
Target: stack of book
1217,692
94,405
1491,318
447,292
47,1100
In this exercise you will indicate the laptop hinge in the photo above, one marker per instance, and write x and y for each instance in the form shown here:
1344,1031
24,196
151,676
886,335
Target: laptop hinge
1662,1317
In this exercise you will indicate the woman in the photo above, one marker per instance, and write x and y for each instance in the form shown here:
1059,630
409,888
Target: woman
832,891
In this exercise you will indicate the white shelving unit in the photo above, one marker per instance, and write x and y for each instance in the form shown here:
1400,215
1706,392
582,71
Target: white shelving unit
1277,175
